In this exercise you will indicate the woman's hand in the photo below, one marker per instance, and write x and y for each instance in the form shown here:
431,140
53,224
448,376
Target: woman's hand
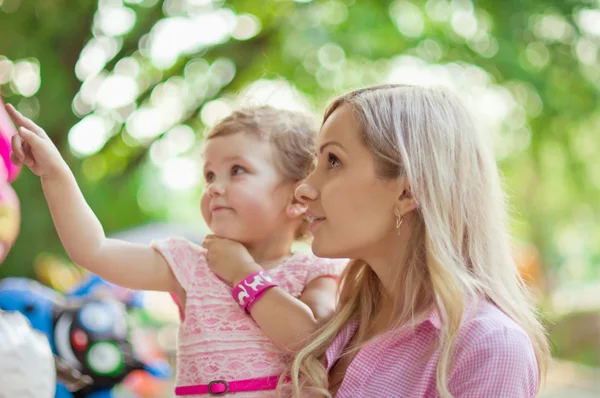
32,146
229,259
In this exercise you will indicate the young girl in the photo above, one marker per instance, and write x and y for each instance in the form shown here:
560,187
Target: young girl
247,300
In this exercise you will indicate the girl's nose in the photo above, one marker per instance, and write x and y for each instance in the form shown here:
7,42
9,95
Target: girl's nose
306,193
216,189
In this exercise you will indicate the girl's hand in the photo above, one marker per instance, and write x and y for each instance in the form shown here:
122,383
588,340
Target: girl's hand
229,259
32,146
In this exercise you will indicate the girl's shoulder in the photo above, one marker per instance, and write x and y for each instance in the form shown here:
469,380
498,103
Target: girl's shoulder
181,254
178,245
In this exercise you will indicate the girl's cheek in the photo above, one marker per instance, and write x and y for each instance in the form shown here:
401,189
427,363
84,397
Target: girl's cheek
204,204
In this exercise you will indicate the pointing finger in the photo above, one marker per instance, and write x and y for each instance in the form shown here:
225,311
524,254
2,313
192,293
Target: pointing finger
23,121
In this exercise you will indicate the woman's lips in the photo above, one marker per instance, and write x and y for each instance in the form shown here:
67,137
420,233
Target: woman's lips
314,223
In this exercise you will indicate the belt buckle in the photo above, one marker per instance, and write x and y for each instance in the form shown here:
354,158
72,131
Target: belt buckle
212,383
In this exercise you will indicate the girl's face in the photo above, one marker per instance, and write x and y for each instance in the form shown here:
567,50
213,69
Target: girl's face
245,198
351,207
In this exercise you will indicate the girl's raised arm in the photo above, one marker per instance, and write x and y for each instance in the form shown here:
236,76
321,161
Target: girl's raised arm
130,265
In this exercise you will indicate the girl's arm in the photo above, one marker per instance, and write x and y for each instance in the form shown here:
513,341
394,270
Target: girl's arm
130,265
288,321
126,264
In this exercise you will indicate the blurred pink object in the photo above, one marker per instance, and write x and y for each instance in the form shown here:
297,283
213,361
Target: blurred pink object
8,196
8,171
10,218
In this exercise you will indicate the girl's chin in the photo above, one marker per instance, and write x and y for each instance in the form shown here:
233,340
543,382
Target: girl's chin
226,232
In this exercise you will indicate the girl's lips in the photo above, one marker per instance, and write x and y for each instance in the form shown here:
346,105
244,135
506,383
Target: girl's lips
219,208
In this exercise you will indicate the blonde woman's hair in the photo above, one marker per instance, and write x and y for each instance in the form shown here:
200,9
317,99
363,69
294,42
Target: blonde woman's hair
291,135
459,244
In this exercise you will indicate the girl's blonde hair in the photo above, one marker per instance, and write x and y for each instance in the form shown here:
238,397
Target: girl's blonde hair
459,244
291,135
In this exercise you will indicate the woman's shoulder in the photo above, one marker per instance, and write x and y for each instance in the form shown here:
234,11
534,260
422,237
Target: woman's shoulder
484,318
491,347
487,331
486,328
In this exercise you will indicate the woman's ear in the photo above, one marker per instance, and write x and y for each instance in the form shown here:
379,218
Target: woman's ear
405,202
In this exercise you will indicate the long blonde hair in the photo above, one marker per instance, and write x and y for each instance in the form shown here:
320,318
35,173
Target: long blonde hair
459,244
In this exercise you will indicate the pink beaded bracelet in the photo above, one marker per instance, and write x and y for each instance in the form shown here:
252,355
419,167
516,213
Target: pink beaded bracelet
251,288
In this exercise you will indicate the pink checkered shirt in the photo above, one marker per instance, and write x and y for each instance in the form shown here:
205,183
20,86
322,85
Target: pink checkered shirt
493,358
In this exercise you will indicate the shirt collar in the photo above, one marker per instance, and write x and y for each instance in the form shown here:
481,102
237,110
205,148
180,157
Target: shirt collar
433,316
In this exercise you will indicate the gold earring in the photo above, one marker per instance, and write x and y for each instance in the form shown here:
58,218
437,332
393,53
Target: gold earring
399,221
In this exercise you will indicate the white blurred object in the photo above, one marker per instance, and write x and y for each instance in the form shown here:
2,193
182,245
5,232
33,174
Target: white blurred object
26,360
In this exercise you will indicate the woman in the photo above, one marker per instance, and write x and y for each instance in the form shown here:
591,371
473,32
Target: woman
432,304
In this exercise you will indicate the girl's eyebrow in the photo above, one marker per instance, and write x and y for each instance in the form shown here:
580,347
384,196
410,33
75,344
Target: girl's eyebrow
227,159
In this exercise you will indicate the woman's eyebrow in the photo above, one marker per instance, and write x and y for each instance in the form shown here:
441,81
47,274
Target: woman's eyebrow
328,143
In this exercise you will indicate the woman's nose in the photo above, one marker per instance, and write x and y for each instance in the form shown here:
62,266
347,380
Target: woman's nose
306,193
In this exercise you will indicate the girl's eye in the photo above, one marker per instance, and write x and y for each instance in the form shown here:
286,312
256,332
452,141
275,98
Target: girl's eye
235,170
209,176
332,160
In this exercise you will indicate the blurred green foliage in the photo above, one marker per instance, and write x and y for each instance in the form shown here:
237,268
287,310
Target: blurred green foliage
542,54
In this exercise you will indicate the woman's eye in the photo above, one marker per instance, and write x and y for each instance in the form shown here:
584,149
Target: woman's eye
332,160
209,176
235,170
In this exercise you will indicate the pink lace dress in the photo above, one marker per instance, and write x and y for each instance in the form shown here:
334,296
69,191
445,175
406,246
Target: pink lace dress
217,340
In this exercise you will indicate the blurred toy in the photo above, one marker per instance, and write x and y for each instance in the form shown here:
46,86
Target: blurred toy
92,286
26,362
57,272
10,218
88,335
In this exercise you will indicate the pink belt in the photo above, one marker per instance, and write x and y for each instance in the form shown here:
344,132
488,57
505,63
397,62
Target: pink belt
222,387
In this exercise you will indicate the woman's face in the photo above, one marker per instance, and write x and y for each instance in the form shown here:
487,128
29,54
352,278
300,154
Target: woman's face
350,207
